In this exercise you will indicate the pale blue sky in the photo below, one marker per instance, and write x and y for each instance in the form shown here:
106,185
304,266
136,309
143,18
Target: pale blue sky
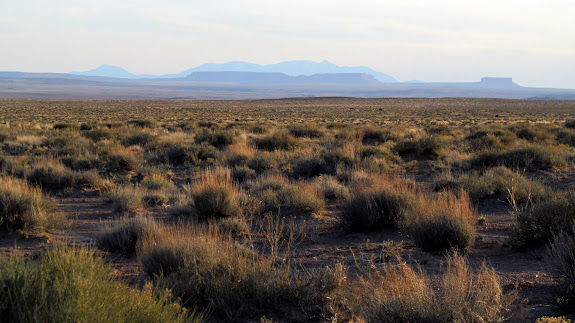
441,40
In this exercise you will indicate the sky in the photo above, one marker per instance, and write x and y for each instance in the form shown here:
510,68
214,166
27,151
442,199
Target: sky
439,40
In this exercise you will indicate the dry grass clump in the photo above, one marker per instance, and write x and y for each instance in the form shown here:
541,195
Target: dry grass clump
125,198
278,194
215,195
24,208
444,223
383,203
399,293
207,269
538,224
128,234
330,188
119,158
51,176
72,285
156,181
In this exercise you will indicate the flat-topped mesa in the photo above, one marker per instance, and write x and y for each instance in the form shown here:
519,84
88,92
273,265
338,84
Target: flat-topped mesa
498,82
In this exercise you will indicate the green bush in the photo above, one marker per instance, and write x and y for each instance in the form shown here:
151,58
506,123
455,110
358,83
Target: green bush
72,285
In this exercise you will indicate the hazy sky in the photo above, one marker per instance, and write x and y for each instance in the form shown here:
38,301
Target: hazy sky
440,40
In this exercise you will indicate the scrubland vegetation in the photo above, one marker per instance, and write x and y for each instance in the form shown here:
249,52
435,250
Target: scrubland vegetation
450,210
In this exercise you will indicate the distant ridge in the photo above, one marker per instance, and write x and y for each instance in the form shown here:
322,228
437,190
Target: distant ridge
281,78
290,68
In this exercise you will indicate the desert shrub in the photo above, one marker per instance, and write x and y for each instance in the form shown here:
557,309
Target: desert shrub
177,155
281,140
372,135
83,162
142,139
553,319
532,157
277,194
72,285
119,158
566,137
534,133
144,123
503,183
91,180
12,166
443,130
260,129
206,153
308,130
208,124
243,173
125,198
24,208
334,158
218,138
330,188
97,134
561,260
69,144
539,223
51,176
66,126
263,161
428,146
155,182
124,237
445,223
381,205
206,268
215,195
492,138
379,152
570,124
398,293
311,166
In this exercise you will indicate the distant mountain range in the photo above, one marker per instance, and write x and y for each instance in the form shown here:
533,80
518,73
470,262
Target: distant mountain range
290,68
110,84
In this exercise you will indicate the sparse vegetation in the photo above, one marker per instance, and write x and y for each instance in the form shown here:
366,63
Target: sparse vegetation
258,210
